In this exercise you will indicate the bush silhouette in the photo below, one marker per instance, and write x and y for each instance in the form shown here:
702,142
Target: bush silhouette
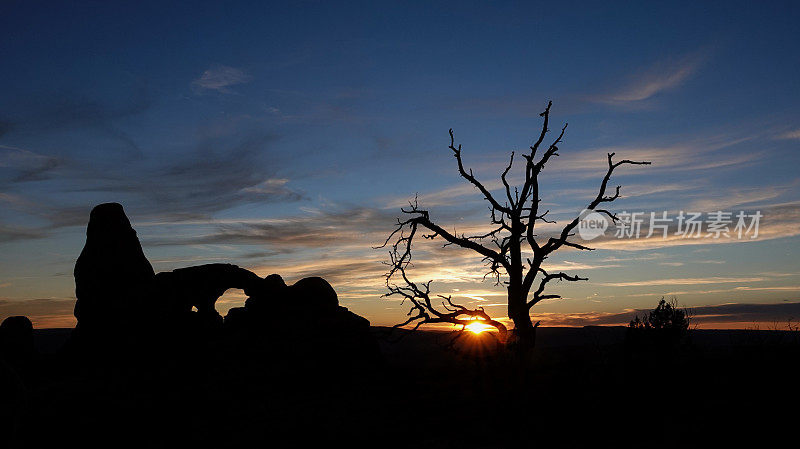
660,331
666,316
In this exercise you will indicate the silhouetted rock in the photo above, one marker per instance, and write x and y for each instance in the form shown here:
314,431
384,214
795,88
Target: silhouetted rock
16,338
112,275
13,398
16,353
200,287
313,295
273,283
237,318
270,296
308,296
122,301
309,313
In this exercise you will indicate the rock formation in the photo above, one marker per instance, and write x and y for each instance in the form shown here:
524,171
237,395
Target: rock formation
112,275
118,294
199,287
16,338
309,314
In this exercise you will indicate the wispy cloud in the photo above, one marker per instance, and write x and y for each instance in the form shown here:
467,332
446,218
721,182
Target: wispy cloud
62,113
316,229
659,77
191,183
25,165
221,78
685,281
790,135
445,196
702,153
744,288
12,233
210,177
737,197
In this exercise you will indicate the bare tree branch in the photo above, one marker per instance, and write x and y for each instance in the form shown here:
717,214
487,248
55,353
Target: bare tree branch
424,311
469,176
546,277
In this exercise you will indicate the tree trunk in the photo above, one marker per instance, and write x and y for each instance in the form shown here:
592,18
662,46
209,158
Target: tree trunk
524,333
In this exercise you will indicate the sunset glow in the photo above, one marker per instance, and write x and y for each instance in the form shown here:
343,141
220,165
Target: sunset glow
476,327
234,149
385,224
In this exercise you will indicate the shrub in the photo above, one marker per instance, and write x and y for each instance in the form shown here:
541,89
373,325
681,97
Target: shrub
661,333
666,315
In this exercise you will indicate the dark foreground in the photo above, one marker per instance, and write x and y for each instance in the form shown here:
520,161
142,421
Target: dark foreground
580,386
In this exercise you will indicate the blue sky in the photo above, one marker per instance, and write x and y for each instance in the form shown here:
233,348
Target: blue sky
285,137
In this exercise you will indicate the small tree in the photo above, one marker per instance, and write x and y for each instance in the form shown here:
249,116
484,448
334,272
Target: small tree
510,249
666,316
656,336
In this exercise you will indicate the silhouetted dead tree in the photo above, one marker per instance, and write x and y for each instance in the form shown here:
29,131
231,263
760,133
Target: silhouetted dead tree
512,252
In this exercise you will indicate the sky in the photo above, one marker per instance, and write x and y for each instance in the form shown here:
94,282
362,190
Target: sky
285,138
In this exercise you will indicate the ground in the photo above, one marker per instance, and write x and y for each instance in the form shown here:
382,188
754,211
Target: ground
580,386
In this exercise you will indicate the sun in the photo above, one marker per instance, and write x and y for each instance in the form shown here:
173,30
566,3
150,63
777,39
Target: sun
476,327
